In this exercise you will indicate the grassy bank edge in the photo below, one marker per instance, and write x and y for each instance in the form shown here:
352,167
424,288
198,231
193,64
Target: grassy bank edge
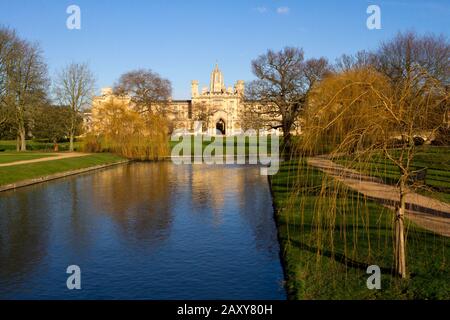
12,177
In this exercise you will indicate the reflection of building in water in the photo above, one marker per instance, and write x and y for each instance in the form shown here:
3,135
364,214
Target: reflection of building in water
241,190
138,198
212,187
217,106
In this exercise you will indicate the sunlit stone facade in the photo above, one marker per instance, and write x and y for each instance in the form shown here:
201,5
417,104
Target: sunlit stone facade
219,103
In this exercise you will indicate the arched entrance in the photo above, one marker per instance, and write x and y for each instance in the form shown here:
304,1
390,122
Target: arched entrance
220,127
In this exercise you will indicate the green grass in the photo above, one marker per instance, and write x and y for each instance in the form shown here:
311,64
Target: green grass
435,159
10,145
12,174
361,235
8,157
248,145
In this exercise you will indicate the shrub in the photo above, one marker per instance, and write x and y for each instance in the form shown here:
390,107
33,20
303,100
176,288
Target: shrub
442,137
419,141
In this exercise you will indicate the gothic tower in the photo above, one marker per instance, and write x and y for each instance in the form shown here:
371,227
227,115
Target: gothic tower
217,84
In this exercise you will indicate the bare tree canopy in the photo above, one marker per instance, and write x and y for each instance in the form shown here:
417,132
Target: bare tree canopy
204,113
23,81
284,82
361,59
401,56
74,88
7,38
147,89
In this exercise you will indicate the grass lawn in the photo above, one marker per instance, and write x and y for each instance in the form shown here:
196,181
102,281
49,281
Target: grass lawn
8,157
249,145
361,235
10,145
17,173
435,159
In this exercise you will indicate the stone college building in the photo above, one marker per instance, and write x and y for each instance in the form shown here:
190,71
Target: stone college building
218,107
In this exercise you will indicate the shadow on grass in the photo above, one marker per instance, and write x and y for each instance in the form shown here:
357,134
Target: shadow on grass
339,257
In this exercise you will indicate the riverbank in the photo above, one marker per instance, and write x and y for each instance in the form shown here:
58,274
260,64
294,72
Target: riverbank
15,176
325,260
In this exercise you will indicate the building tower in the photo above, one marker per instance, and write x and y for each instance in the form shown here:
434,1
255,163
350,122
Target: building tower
194,88
240,88
217,84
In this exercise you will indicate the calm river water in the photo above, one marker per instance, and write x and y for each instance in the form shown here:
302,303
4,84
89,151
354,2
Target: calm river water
143,231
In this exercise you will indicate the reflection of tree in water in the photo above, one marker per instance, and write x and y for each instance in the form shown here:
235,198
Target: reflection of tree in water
219,188
24,233
138,199
79,220
257,209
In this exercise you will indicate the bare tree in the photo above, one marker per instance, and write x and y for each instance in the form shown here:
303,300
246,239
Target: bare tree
23,82
74,88
252,117
283,84
149,92
204,112
6,39
4,115
362,59
400,57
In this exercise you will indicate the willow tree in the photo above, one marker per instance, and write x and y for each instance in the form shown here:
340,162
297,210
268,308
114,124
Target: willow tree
360,114
118,128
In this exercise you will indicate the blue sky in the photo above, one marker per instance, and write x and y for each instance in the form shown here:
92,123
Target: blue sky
183,39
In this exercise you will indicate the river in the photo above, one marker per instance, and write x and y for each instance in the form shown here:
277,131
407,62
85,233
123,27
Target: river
143,231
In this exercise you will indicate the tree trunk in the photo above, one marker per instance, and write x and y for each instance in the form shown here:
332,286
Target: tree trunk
400,242
22,145
71,142
287,145
55,145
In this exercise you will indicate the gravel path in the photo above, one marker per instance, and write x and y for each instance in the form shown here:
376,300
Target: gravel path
57,156
429,213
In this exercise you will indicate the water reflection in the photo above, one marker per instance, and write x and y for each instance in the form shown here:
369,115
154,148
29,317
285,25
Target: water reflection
214,190
145,230
138,198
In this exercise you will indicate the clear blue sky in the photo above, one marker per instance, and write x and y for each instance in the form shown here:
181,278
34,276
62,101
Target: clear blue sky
182,39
